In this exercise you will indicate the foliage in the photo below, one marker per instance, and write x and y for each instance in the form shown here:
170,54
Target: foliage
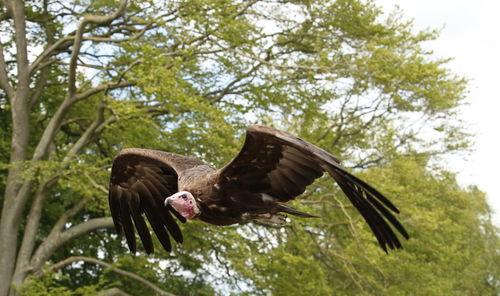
50,284
187,76
452,246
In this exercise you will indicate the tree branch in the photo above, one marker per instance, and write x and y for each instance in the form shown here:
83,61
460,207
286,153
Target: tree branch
96,126
56,119
57,238
66,42
119,40
42,81
113,292
95,184
278,66
100,88
77,44
230,87
61,43
35,211
85,227
87,135
117,270
29,236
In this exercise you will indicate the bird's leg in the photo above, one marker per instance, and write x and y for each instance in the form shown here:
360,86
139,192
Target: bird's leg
272,219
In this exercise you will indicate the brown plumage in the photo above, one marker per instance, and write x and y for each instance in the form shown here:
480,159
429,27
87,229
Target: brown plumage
272,168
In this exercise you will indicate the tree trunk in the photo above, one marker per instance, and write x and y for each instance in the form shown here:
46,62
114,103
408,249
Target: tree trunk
16,193
17,189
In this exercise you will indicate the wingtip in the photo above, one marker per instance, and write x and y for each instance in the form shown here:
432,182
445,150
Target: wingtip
394,246
178,238
149,248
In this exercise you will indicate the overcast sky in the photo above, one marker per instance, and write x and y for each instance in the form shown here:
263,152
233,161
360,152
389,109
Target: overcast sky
471,35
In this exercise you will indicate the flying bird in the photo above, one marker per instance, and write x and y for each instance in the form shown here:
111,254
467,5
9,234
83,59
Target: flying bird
273,167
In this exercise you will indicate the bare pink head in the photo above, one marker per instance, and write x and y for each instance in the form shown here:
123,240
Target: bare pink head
184,203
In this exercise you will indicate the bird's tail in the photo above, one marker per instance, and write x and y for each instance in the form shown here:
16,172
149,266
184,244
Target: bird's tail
292,211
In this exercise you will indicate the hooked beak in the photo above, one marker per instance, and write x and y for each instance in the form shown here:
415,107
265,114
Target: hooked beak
168,200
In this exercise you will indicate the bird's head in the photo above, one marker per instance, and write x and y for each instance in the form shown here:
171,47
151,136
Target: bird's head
184,203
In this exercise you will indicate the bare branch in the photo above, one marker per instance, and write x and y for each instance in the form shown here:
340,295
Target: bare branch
112,268
50,130
65,43
122,74
56,119
41,83
275,65
35,211
230,87
113,292
77,44
85,227
60,44
100,88
119,40
87,135
71,213
57,239
340,124
97,67
95,184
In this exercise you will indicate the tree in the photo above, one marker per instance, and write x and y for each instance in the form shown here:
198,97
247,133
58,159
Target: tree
79,81
453,249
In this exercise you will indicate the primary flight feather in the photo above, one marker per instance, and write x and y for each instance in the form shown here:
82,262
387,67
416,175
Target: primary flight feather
272,168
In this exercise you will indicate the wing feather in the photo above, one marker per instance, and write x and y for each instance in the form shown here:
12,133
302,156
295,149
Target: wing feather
126,221
156,183
288,164
141,179
303,170
153,214
158,227
167,219
292,175
114,205
142,228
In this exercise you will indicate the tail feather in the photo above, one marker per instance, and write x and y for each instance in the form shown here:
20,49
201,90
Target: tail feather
292,211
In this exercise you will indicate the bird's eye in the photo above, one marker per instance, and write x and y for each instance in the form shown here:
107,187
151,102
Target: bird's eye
184,196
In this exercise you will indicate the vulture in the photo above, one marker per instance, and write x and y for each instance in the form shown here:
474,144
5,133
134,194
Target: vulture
272,168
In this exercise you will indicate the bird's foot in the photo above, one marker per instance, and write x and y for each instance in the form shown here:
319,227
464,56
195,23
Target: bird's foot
272,219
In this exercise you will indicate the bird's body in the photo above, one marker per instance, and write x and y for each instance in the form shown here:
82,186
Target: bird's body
272,168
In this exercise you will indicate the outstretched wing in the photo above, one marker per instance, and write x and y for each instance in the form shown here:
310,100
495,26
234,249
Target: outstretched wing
280,166
141,179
